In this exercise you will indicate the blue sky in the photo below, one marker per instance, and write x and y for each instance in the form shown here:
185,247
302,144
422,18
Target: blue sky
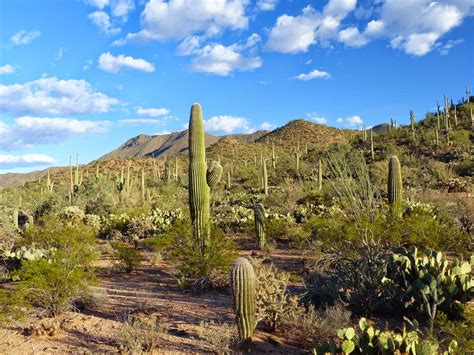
86,75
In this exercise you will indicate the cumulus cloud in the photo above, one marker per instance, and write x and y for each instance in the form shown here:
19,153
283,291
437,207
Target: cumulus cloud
8,161
102,21
50,95
100,4
414,27
153,112
24,37
121,8
315,74
7,69
227,124
27,131
444,48
217,59
109,63
178,19
352,121
266,5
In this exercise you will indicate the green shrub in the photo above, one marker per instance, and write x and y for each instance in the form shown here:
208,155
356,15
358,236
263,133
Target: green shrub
128,257
195,270
56,282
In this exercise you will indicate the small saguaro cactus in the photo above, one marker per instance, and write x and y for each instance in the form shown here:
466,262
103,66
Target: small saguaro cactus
274,156
176,168
372,154
438,115
395,188
214,174
298,156
143,187
243,284
260,228
412,121
77,176
199,200
264,177
228,181
320,174
120,182
49,183
97,173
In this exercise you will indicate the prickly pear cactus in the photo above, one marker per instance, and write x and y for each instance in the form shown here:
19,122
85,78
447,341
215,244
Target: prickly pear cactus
243,285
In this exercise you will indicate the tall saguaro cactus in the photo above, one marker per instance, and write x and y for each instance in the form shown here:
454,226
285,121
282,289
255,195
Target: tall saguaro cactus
264,177
260,228
243,284
274,156
412,121
395,187
199,201
372,154
320,174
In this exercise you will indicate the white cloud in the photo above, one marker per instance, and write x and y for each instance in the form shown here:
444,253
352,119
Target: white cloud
24,37
88,64
352,37
52,96
102,21
140,121
227,124
100,4
293,34
417,44
267,126
59,54
8,161
315,74
189,45
153,112
444,48
221,60
352,121
266,5
7,69
121,8
109,63
27,130
178,19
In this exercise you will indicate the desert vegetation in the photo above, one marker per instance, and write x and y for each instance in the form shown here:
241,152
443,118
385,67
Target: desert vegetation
308,239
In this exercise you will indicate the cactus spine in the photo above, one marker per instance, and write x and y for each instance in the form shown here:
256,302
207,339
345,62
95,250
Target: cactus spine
243,284
199,201
395,188
260,229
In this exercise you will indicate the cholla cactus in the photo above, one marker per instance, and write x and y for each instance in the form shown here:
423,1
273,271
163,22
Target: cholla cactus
260,228
243,284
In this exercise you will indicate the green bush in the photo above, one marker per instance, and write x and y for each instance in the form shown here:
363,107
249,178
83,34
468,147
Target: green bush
128,257
56,282
195,270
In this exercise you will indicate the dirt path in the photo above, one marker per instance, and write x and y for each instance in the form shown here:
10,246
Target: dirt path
151,291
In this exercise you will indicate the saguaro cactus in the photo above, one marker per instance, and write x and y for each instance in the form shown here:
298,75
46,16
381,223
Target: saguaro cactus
274,156
372,144
395,188
320,174
412,121
228,181
264,177
49,183
243,284
260,228
198,188
143,187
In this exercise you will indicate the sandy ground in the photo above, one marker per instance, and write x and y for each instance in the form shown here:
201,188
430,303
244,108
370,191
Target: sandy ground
150,291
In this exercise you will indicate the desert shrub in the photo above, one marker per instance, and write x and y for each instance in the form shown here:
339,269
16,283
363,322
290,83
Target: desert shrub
54,283
309,325
139,228
93,221
138,336
221,338
73,213
12,306
460,330
195,270
352,272
128,257
276,227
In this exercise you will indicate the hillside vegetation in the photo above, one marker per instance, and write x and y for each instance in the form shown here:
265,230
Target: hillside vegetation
303,239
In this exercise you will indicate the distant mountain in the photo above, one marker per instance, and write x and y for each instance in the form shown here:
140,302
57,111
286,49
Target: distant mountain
176,142
381,128
16,178
306,132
